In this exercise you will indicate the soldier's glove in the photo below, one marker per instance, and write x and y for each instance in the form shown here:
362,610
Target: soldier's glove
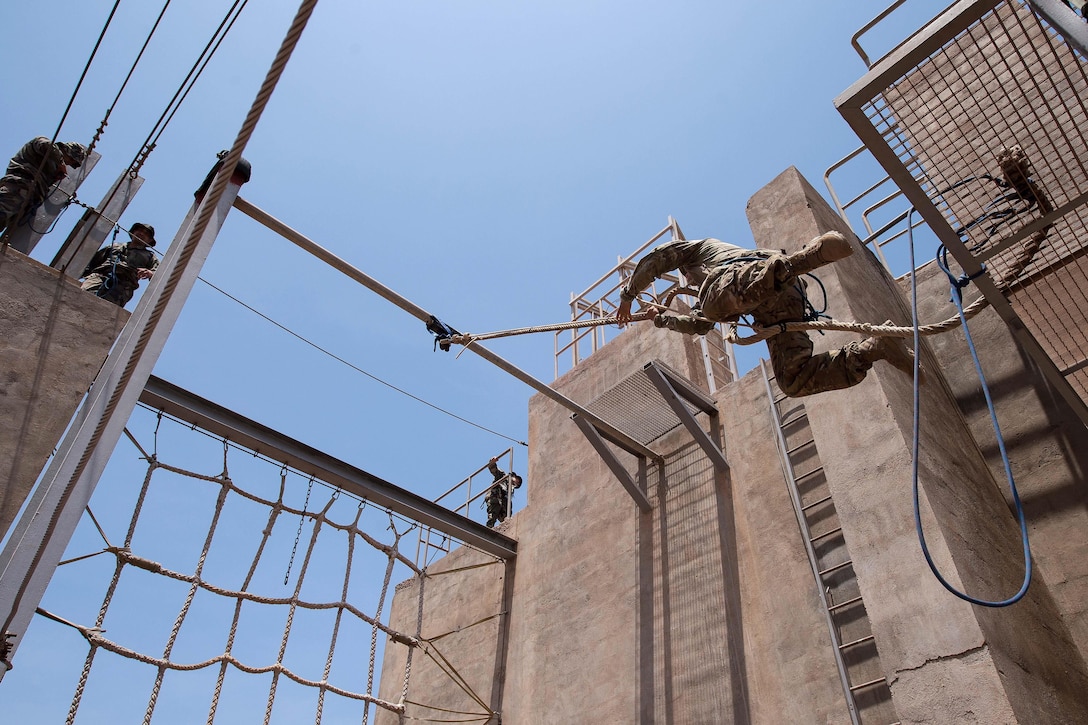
661,320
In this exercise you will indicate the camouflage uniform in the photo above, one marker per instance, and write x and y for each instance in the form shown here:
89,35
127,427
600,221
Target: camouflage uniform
734,281
112,272
497,499
31,174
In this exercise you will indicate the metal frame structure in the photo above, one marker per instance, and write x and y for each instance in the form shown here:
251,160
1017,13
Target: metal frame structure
601,299
908,109
675,390
681,397
226,424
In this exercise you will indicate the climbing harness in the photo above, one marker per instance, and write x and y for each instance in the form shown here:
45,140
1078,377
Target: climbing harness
443,333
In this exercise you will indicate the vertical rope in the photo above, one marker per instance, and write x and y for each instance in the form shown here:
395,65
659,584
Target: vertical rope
419,635
224,489
273,517
390,562
339,615
318,520
77,697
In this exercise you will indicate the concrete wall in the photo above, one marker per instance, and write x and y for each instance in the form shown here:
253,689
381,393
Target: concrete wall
53,339
1011,664
1046,444
704,610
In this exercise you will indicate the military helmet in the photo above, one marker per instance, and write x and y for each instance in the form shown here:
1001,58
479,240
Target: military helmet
145,227
76,152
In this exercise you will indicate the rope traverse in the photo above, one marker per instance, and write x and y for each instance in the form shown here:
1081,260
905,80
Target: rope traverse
760,332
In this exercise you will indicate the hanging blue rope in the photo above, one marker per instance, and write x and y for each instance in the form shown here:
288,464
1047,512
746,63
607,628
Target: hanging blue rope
957,284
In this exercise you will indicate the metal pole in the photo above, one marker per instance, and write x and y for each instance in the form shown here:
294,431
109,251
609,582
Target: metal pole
95,226
28,561
421,314
1073,28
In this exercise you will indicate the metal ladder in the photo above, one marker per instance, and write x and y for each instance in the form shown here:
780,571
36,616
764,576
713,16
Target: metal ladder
864,685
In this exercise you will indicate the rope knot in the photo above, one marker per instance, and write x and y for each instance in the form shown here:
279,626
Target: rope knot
965,279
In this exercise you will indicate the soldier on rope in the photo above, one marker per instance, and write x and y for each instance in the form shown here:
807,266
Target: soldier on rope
767,285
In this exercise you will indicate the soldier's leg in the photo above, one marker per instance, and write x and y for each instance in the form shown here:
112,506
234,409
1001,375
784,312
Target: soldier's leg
93,283
14,200
801,373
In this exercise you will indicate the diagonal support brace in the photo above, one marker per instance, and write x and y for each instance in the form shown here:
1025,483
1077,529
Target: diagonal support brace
673,388
598,443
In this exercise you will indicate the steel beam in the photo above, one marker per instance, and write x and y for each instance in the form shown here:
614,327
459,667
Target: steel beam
672,387
424,316
595,439
1072,27
217,420
25,237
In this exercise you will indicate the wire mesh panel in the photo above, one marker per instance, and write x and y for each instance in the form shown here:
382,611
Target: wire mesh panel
981,121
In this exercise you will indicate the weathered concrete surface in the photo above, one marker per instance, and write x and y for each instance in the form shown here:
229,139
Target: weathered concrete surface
1008,665
53,339
693,612
1046,444
790,666
464,616
705,609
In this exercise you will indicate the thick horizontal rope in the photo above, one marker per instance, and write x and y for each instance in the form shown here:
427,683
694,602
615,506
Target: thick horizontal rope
466,338
95,639
763,333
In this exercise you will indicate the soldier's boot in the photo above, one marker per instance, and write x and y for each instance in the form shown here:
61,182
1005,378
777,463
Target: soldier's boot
824,249
894,351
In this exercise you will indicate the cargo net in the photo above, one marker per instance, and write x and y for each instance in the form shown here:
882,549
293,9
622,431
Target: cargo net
993,125
200,600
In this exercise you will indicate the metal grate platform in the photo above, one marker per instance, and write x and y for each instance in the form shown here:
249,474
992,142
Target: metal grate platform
988,76
635,406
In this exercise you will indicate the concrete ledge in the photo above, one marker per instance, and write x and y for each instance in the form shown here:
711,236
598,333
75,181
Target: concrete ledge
53,339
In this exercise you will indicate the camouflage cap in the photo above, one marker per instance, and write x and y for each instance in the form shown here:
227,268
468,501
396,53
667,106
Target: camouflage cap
76,152
138,226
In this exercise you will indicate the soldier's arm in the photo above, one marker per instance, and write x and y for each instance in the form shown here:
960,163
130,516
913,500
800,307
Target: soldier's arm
664,259
686,324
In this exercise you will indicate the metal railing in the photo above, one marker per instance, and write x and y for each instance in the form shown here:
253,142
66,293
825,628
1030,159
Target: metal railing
601,299
472,491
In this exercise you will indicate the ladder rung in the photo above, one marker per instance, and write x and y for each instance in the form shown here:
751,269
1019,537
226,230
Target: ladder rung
870,683
799,446
847,603
857,642
787,423
843,565
814,504
826,534
813,472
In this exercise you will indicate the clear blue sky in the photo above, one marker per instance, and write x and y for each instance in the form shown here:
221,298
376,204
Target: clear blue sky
484,159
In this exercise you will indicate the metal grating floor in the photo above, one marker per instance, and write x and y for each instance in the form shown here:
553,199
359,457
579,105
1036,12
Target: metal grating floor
990,76
635,406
